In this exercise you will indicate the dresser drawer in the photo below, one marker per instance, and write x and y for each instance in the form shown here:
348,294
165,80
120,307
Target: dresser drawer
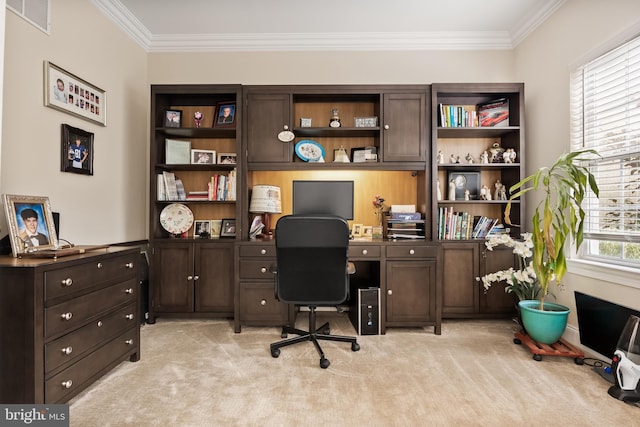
258,250
411,251
73,313
65,281
256,269
364,251
70,381
78,342
259,305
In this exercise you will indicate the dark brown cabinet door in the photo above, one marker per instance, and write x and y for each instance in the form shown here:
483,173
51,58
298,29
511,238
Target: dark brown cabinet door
460,266
214,271
173,287
410,295
404,127
267,114
496,300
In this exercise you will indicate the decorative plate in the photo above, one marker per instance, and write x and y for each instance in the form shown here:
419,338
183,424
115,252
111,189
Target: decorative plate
310,151
176,218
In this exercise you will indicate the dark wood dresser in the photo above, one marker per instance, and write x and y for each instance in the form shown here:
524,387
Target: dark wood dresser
65,322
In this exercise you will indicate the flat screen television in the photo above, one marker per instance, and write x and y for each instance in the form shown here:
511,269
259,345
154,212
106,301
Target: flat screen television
323,197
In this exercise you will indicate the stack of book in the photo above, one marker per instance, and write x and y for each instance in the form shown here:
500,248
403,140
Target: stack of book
487,114
404,225
462,225
222,187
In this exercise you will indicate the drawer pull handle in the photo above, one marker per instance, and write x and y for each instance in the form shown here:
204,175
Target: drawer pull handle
67,282
364,252
129,342
411,252
129,316
263,270
196,277
389,292
189,277
66,316
67,350
263,302
128,265
263,251
99,323
129,290
67,383
99,265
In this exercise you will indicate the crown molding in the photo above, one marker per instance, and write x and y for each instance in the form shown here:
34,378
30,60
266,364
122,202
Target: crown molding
523,28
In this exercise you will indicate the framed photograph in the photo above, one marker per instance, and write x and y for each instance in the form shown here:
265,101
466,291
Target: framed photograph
202,229
216,227
77,150
71,94
31,226
465,181
225,115
203,157
228,228
364,154
356,231
367,231
172,118
227,158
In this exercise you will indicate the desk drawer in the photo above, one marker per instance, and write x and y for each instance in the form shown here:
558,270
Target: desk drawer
364,251
69,280
256,269
259,306
411,251
78,342
73,379
73,313
258,250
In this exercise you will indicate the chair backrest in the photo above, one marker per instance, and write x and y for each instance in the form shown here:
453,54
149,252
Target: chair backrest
311,253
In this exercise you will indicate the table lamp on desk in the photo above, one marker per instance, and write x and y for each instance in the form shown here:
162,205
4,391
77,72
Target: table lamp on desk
265,200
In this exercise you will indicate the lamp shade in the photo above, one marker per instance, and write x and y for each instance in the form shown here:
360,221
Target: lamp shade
265,199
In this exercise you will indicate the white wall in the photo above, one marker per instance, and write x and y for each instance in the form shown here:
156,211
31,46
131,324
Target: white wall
109,206
543,61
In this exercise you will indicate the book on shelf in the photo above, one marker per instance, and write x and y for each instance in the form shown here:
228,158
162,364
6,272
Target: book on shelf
494,113
182,195
223,187
161,193
177,152
463,226
452,116
170,185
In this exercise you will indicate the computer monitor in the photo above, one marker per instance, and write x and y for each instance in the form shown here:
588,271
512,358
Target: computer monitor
323,197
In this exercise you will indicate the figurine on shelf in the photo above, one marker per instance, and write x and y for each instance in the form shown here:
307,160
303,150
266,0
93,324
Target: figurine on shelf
496,153
509,155
454,159
334,122
466,194
440,157
197,117
503,192
484,158
498,185
469,158
452,190
439,192
485,193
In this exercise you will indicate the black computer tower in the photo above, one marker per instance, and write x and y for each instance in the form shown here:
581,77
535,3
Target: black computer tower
364,311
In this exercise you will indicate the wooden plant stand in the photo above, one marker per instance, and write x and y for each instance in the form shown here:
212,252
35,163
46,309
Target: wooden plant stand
560,348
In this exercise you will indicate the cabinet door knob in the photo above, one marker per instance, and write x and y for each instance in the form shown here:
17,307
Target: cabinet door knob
389,292
99,265
263,270
386,127
196,278
364,252
129,342
67,383
129,316
66,316
411,252
128,265
129,290
263,302
263,251
67,350
189,277
67,282
99,323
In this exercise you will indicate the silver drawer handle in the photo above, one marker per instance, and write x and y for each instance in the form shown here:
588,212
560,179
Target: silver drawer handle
67,282
263,302
411,252
129,290
67,383
67,350
66,316
128,265
263,251
263,270
129,316
129,342
364,252
99,265
99,324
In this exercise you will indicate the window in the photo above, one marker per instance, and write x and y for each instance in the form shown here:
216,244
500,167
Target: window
605,116
35,12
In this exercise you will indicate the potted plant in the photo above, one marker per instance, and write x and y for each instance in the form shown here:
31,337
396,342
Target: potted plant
558,217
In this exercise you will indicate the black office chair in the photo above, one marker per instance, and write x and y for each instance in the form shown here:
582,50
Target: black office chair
312,270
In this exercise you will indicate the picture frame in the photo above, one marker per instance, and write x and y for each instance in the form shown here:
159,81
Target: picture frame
356,230
465,181
202,229
227,158
228,228
172,119
77,150
29,215
71,94
216,227
363,154
225,115
367,231
203,157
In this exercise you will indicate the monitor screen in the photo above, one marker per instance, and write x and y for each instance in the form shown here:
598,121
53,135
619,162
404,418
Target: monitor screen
323,197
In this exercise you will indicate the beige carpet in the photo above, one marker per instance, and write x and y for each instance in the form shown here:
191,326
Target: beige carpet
200,373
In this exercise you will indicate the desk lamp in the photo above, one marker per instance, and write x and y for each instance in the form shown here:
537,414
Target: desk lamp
265,200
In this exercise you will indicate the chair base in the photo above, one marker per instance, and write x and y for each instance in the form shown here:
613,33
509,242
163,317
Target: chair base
314,335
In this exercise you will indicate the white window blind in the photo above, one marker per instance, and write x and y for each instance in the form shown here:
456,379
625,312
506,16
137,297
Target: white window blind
605,116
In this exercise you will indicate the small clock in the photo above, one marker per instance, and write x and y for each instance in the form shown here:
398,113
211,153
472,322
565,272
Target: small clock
310,151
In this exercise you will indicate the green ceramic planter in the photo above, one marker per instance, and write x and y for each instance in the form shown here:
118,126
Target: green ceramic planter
544,326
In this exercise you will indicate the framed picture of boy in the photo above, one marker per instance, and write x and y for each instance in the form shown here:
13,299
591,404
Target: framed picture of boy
31,226
77,150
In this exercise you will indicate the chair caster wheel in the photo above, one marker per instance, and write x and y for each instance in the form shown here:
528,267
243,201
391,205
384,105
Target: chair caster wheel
579,361
275,352
324,363
537,357
355,346
517,341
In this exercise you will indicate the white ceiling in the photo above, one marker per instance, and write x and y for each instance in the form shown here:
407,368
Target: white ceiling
288,25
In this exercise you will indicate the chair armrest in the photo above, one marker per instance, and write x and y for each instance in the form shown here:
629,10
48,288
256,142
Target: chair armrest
351,268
